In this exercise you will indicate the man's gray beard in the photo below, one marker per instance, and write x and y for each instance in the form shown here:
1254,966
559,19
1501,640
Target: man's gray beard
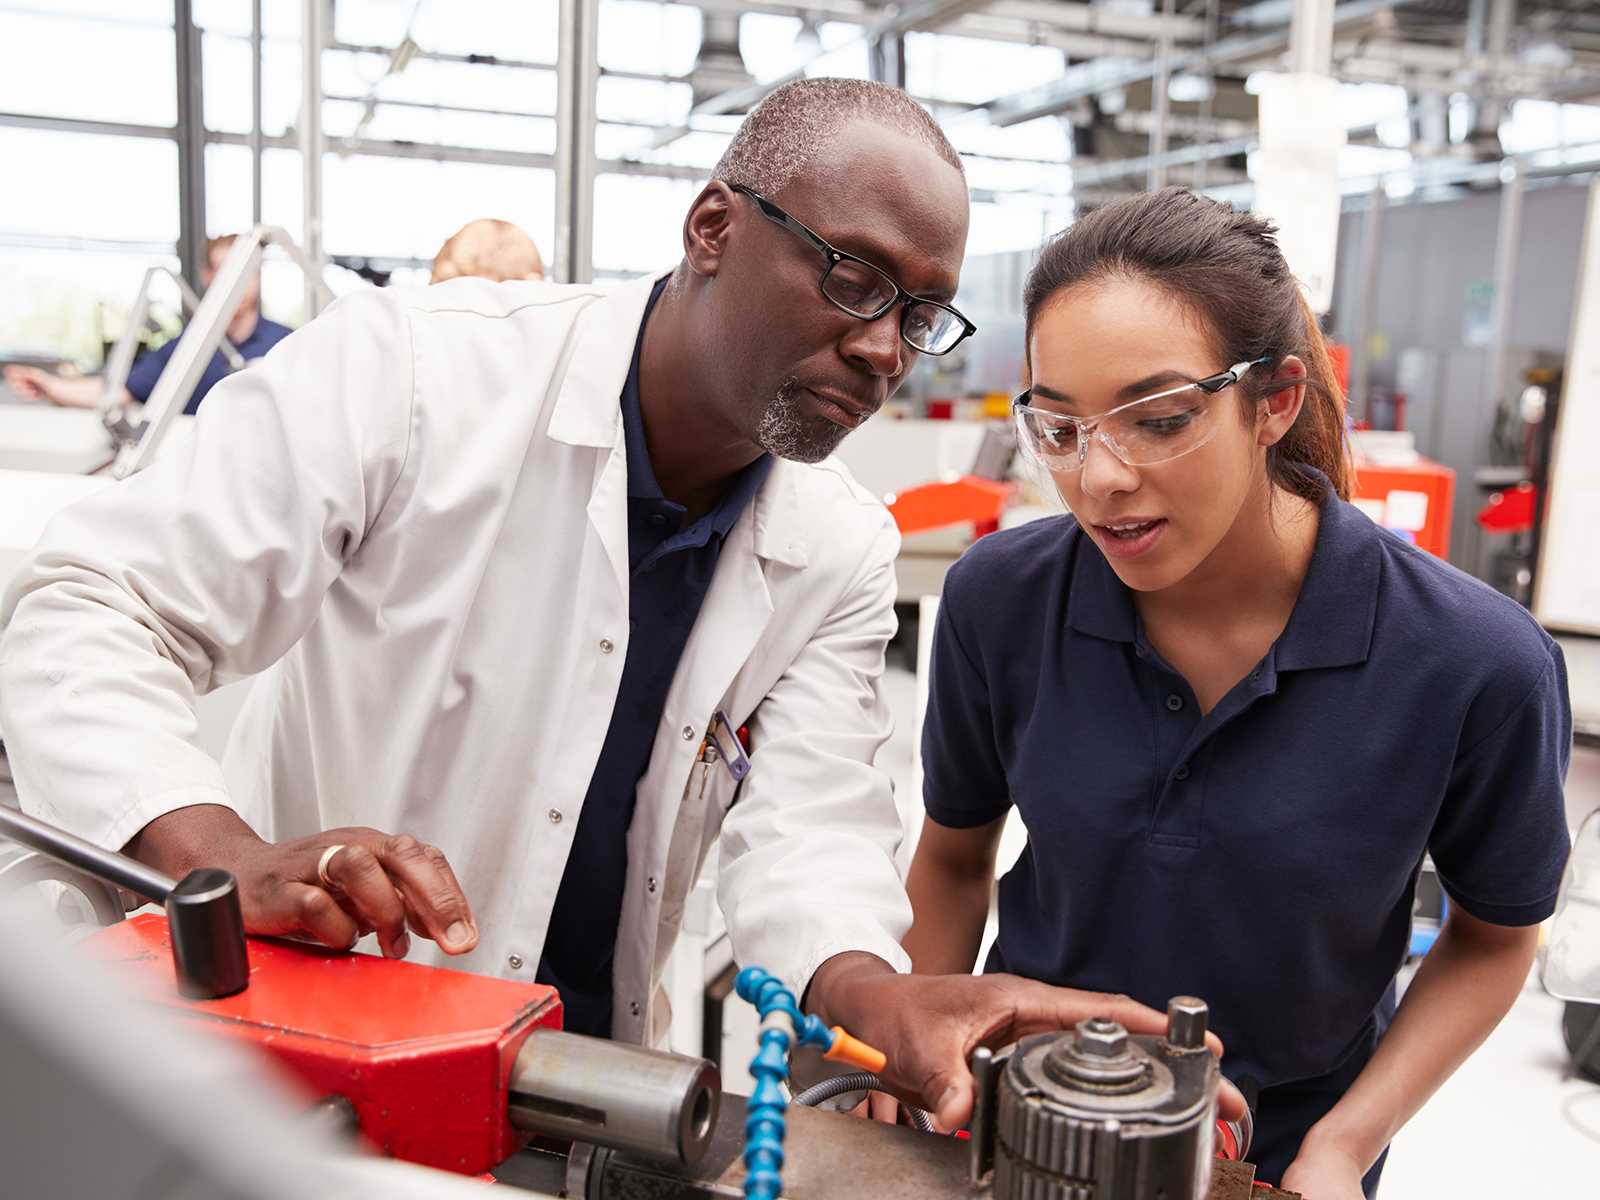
787,431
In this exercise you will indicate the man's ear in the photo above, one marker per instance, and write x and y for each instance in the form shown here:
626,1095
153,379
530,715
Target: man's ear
706,228
1281,406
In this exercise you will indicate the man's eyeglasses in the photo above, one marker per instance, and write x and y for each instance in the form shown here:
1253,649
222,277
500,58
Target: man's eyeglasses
1144,432
857,287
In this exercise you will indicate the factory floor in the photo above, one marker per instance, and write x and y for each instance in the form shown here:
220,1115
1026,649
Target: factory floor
1509,1125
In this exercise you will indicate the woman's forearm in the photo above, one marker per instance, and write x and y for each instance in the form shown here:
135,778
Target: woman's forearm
950,909
1463,988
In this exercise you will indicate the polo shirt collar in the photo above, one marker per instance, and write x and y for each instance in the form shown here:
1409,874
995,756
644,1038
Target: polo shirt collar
1333,618
642,483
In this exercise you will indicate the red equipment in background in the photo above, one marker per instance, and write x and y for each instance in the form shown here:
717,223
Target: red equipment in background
1414,499
423,1055
935,505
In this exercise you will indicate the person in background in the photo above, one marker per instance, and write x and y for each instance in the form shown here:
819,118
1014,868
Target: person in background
1233,713
488,249
251,334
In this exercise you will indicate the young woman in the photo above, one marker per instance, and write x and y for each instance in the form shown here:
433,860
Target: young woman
1232,712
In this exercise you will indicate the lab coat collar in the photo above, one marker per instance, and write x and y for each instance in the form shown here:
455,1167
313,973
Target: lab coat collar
777,517
587,413
586,410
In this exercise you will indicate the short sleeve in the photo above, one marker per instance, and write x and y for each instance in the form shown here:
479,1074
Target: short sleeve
964,779
1500,842
147,369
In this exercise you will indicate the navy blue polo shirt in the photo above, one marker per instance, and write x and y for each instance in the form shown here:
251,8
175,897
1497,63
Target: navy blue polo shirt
1262,856
670,570
148,366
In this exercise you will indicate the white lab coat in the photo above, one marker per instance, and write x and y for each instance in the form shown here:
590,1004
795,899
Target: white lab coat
416,507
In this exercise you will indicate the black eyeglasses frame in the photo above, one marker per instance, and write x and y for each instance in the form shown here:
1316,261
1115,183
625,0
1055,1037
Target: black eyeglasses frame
833,256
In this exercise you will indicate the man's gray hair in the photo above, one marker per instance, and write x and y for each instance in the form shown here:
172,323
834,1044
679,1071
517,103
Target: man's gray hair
797,123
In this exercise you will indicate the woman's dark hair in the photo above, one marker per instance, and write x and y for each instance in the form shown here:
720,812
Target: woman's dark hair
1227,268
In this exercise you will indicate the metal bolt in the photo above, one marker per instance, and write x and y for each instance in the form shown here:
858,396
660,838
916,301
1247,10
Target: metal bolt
1101,1038
1187,1017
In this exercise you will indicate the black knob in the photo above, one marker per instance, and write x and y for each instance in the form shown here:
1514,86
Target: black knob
208,935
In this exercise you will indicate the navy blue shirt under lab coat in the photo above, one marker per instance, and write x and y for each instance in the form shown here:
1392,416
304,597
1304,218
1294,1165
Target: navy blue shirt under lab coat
1262,856
148,366
670,571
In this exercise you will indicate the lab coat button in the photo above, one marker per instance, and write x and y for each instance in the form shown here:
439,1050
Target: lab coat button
516,962
606,646
633,1007
555,816
688,733
650,884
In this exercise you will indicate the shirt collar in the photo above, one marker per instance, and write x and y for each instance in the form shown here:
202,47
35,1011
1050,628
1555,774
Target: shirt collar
642,483
1333,618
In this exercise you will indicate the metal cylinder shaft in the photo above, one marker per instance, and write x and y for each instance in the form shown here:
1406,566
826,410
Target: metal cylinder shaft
663,1106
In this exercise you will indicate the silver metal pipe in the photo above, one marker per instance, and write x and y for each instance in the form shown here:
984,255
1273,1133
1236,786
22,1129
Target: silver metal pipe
1371,260
577,78
1162,104
255,112
647,1102
1088,79
68,848
313,33
1311,37
115,376
1506,249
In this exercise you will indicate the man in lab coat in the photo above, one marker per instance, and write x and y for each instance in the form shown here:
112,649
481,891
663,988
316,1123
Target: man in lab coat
518,561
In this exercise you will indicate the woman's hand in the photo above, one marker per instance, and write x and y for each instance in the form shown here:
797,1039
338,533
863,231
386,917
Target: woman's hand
929,1025
1324,1173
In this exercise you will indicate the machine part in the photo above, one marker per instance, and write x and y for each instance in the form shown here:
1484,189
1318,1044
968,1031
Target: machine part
424,1055
116,869
985,1088
22,868
857,1081
1099,1114
208,935
623,1097
207,941
783,1026
828,1156
1580,1028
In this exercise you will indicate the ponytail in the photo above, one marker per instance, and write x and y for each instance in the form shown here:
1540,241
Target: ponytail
1317,438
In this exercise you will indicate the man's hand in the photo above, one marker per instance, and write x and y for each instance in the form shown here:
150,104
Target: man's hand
381,882
929,1025
33,384
1324,1174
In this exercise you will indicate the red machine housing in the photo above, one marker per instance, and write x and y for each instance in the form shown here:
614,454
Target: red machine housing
424,1055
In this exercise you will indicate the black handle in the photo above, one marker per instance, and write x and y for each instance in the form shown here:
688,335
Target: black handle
203,914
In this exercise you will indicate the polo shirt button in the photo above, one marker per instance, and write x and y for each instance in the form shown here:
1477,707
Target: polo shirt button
606,646
688,733
1174,702
1182,772
555,816
516,962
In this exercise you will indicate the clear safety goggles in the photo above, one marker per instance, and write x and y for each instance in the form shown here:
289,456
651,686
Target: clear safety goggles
1144,432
